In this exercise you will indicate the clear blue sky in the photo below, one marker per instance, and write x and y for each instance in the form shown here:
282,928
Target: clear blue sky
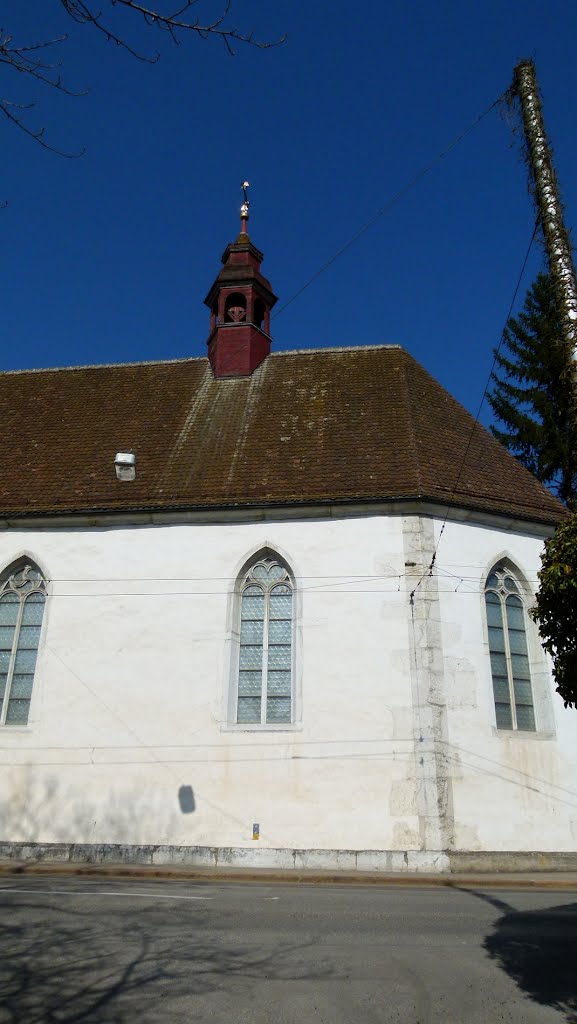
108,258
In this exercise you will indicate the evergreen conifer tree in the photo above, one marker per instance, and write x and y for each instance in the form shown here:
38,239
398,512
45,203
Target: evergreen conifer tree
531,395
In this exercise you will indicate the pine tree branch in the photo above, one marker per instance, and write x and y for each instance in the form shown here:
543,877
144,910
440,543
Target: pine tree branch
529,399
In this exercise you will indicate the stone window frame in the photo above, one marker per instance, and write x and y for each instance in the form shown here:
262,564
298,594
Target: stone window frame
232,646
23,564
540,669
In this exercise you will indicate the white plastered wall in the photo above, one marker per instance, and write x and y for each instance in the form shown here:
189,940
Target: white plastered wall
130,693
510,790
129,709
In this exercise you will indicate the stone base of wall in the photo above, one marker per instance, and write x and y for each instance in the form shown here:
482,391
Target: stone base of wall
408,862
511,861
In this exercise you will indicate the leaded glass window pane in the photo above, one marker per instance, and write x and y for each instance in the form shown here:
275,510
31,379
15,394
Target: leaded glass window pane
520,666
29,637
281,603
517,641
6,637
253,603
17,712
279,684
25,661
496,639
265,661
279,656
251,631
21,685
498,664
510,667
525,718
503,716
515,618
494,614
501,689
33,610
278,709
250,656
22,598
279,631
523,692
248,710
9,604
249,684
268,573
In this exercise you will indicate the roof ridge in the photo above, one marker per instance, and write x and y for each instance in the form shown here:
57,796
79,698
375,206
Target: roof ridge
105,366
331,348
194,359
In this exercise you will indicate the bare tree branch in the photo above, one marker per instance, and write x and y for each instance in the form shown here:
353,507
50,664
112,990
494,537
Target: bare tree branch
166,20
29,61
9,110
33,61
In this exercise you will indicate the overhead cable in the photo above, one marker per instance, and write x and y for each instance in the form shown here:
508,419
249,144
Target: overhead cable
390,203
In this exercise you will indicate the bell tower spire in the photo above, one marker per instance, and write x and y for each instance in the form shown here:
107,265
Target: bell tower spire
240,302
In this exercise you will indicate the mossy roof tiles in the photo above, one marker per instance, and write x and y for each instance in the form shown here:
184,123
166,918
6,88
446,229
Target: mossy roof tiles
314,426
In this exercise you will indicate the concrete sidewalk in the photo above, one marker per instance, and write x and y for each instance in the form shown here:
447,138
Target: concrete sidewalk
561,880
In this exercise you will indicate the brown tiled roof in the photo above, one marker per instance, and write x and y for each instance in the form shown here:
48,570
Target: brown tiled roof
315,426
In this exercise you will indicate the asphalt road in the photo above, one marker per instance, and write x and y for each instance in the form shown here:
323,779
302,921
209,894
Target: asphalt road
114,952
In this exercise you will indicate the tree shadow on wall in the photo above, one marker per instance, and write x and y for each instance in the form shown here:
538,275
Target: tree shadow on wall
41,806
113,965
538,950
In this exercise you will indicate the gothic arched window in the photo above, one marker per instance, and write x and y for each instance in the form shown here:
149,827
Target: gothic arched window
22,598
507,627
264,692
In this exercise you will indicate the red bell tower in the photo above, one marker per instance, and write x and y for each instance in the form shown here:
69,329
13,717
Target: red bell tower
240,302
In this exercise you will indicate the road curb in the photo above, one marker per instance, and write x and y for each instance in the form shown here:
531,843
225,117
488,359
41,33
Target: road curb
267,877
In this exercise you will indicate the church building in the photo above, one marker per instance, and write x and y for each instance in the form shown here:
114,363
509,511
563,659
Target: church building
271,609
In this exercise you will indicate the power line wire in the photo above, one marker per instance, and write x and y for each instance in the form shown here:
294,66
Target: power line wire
223,593
390,203
429,569
346,577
